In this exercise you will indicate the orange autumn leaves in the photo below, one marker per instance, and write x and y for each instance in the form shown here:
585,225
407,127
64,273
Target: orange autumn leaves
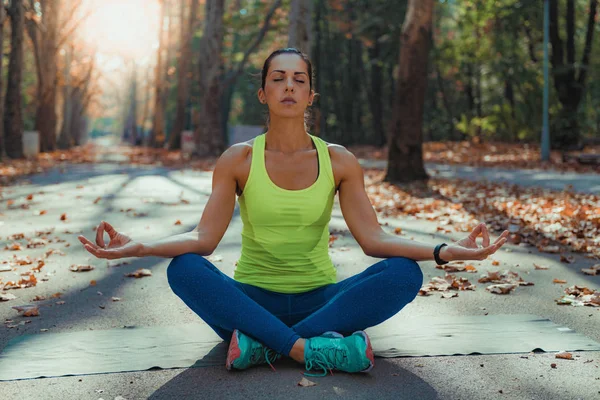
552,221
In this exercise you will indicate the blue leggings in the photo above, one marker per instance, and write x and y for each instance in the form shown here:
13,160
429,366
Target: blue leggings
278,320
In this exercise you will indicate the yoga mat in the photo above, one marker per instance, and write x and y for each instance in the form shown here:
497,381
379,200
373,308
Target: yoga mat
196,345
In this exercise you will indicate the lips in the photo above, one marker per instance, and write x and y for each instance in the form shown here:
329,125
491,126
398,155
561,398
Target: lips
288,100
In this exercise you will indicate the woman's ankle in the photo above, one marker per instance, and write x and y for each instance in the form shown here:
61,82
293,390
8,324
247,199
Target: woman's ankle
297,352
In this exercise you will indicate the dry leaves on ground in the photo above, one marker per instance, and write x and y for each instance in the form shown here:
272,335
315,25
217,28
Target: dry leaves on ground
139,273
552,221
488,154
504,283
580,296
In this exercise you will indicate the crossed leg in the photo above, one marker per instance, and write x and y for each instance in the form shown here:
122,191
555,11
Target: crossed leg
356,303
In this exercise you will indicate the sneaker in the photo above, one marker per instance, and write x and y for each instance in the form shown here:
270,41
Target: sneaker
245,352
349,354
332,334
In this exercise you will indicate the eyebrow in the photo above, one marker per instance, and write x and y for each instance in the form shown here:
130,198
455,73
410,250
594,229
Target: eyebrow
295,73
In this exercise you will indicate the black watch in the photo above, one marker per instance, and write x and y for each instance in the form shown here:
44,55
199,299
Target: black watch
436,254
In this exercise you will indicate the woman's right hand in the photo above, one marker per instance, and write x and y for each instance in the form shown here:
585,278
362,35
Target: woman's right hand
120,245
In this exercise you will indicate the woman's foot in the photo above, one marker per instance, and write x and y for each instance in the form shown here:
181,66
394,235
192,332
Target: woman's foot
245,352
350,354
297,352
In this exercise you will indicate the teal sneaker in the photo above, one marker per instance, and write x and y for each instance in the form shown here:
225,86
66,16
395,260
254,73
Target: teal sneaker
349,354
245,352
332,334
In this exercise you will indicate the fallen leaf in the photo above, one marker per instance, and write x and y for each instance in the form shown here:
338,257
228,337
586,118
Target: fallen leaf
537,266
28,310
550,249
7,296
63,217
116,299
447,295
92,283
81,268
568,260
306,383
398,231
215,258
178,222
140,273
502,288
495,262
559,280
564,355
593,270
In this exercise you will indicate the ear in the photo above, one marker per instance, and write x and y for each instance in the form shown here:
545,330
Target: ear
311,97
261,96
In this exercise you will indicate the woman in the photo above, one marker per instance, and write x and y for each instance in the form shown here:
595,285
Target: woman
284,298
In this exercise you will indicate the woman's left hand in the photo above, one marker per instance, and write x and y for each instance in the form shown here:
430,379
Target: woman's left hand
467,248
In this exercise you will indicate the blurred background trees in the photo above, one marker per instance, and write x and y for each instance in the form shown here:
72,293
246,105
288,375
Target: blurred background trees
148,70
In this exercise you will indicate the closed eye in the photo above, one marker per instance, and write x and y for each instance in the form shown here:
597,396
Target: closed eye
276,80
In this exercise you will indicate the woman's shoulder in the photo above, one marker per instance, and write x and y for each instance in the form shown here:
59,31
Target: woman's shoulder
338,153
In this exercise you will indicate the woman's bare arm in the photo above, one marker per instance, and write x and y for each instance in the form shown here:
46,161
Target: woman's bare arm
215,218
202,240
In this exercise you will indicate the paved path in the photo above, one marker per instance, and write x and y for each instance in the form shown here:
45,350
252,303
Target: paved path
584,183
150,302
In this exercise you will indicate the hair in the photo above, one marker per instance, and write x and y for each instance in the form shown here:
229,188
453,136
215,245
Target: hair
288,50
267,64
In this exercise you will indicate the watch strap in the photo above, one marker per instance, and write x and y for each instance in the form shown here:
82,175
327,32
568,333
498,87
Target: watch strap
436,254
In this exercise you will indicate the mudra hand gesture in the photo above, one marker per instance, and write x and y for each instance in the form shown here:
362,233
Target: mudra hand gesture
467,248
120,245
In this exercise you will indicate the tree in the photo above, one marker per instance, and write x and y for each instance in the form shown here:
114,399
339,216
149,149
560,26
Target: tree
158,118
569,80
405,157
208,134
2,20
45,45
183,74
13,119
300,32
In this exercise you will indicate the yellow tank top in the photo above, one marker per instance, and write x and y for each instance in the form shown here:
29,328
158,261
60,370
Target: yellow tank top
285,234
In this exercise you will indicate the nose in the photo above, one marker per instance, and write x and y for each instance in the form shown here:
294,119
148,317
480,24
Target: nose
290,84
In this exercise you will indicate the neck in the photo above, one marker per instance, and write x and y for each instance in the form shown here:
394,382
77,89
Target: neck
287,135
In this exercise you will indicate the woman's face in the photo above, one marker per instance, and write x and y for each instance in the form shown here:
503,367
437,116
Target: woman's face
287,77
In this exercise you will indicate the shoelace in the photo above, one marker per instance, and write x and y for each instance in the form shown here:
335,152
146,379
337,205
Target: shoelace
323,359
263,354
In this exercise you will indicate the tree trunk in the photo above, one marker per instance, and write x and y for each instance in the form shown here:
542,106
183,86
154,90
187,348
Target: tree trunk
2,147
405,157
317,109
45,49
171,50
13,120
183,73
300,30
208,134
375,92
447,106
64,140
569,80
147,97
158,118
